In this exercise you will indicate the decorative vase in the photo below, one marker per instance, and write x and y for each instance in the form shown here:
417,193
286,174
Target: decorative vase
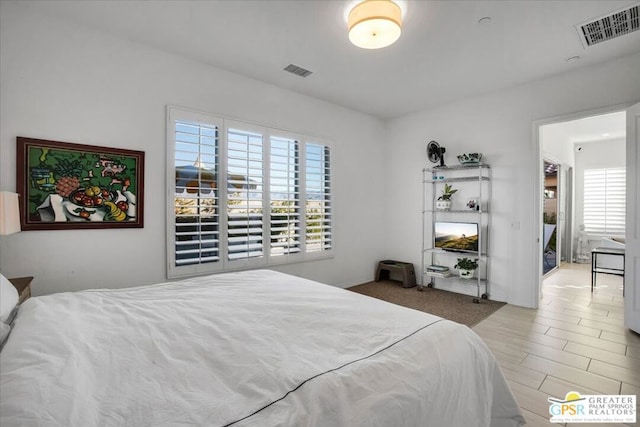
466,274
443,205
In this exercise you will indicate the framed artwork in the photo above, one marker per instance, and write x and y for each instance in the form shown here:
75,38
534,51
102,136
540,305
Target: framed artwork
74,186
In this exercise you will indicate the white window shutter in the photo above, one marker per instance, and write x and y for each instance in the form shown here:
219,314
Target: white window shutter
318,199
284,202
604,201
245,212
195,201
243,195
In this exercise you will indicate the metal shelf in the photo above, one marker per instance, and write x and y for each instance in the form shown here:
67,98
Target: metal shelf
455,277
459,179
459,167
457,211
478,175
480,255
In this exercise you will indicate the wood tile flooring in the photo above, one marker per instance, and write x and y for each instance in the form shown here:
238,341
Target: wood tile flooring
575,341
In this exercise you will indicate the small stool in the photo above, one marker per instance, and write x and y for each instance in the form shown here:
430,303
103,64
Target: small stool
404,268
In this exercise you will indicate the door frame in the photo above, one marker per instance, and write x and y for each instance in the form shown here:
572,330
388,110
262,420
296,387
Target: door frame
569,182
632,236
536,238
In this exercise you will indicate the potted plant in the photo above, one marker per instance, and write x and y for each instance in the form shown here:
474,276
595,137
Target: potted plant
466,267
444,201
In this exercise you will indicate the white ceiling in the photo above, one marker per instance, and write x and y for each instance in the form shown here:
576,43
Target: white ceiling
443,54
603,127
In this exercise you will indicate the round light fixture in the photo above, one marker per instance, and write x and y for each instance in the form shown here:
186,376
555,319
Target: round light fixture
374,24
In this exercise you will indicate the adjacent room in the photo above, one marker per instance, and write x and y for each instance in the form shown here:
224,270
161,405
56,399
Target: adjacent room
323,213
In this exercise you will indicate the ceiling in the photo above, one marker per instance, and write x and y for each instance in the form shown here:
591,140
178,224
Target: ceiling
444,53
604,127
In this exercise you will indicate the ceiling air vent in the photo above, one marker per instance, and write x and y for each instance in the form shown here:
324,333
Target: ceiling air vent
609,27
298,71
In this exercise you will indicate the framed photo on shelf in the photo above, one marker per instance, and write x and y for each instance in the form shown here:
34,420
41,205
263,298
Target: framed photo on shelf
75,186
473,203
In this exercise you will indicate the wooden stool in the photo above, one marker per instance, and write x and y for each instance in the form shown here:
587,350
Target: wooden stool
404,268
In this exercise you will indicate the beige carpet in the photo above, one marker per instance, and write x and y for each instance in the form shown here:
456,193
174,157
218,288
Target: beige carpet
457,307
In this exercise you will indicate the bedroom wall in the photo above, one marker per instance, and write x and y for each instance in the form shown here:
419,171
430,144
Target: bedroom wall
556,144
601,154
500,125
72,84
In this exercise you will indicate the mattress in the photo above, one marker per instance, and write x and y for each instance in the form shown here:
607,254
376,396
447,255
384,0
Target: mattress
255,348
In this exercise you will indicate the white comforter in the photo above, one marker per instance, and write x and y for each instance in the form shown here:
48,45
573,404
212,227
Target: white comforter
256,348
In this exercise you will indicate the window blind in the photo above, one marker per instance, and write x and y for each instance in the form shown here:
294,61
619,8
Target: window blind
318,198
243,195
604,201
196,194
285,196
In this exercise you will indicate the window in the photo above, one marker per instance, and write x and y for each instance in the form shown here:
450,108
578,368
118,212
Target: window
285,196
604,201
195,204
243,195
318,198
245,225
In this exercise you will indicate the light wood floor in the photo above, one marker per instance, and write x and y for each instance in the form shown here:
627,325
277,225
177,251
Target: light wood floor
575,341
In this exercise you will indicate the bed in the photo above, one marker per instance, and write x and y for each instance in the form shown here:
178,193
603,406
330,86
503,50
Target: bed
255,348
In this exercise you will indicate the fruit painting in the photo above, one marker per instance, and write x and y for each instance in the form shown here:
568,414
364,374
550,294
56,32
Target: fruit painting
69,186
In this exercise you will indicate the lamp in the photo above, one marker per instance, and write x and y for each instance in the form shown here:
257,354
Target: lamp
374,24
9,213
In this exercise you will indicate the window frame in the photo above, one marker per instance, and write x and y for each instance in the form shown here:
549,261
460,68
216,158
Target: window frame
267,258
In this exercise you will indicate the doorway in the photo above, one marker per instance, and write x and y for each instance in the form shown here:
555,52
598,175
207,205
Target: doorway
568,147
550,216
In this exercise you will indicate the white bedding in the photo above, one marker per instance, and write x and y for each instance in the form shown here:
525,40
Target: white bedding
256,348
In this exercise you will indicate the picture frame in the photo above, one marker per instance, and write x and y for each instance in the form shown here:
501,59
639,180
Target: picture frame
64,186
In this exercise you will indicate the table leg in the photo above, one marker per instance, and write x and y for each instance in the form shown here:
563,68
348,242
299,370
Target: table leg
593,270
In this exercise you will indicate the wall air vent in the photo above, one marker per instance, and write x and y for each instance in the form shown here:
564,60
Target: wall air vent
298,71
609,27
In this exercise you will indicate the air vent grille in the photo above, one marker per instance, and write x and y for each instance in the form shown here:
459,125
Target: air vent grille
298,71
609,27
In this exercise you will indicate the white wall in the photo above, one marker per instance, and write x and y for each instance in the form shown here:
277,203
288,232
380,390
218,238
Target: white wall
556,145
499,125
77,85
595,155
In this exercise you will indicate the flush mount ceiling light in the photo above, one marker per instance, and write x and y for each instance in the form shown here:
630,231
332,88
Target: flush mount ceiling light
374,24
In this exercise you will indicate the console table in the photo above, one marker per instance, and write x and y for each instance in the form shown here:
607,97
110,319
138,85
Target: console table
615,271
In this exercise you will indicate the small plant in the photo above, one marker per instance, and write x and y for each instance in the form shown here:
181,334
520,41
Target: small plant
466,264
447,192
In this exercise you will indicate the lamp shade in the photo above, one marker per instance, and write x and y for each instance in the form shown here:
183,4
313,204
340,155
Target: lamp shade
374,24
9,213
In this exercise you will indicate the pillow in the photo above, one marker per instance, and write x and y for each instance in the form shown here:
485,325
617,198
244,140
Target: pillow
8,298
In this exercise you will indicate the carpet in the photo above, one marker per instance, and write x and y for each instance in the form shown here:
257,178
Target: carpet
457,307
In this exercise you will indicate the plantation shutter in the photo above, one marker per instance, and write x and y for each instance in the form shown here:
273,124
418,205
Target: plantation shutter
244,194
284,194
604,201
318,198
195,202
